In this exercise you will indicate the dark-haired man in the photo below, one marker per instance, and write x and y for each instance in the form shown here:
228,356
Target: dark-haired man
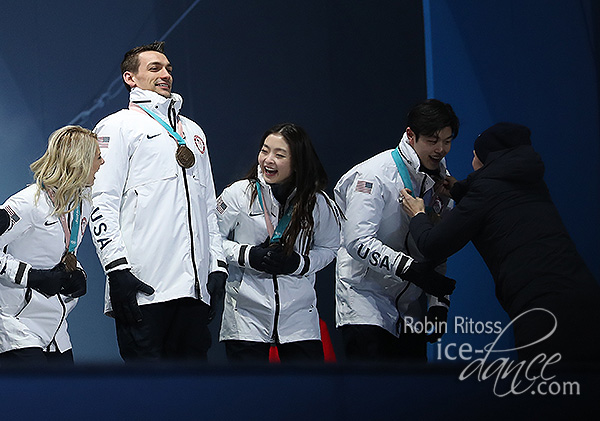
383,292
153,221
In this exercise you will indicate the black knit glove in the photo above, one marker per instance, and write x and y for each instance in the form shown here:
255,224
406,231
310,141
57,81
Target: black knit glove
4,221
76,286
216,286
257,254
425,277
50,281
124,287
438,316
276,262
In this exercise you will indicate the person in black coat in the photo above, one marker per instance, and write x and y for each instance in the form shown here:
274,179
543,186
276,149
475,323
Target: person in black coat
504,207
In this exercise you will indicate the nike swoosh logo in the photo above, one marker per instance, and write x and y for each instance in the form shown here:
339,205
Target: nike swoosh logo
150,137
47,223
255,214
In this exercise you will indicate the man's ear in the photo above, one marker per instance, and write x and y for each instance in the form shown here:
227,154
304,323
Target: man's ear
128,78
412,137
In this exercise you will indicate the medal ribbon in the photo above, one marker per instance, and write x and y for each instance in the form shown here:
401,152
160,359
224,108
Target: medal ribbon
402,170
276,233
70,233
172,132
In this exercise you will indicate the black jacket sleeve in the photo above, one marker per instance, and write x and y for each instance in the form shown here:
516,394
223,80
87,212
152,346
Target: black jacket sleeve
453,232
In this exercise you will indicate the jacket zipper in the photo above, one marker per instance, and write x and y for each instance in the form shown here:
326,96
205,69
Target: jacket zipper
27,300
189,209
62,319
173,122
276,291
400,320
277,306
423,186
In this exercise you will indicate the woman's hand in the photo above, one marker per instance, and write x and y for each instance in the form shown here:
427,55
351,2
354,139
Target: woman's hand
411,205
443,187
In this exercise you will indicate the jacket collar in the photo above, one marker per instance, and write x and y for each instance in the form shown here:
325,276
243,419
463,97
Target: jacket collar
158,103
423,181
267,188
410,157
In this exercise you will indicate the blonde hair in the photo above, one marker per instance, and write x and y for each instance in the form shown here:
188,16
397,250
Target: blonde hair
65,167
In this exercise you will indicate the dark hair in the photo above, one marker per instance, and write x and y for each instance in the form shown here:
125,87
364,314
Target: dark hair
131,60
430,116
309,178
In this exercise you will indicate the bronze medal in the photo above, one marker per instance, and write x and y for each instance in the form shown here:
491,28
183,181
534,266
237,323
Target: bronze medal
70,261
185,157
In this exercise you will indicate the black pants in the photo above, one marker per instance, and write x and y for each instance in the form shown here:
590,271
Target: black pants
258,352
174,330
35,356
375,344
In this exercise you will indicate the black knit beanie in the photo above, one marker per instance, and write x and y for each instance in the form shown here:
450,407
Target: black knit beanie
501,136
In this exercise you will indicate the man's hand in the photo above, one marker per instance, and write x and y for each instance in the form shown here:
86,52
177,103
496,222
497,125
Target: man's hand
4,221
425,277
216,289
123,289
438,316
216,286
444,186
411,205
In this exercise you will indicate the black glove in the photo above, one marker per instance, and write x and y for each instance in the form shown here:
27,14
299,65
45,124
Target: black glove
124,287
4,221
49,282
216,288
257,254
276,262
425,277
437,316
76,286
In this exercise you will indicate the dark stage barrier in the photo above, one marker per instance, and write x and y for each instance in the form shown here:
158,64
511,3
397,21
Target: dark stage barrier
330,392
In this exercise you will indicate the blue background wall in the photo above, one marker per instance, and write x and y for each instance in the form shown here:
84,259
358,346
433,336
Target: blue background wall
347,71
529,62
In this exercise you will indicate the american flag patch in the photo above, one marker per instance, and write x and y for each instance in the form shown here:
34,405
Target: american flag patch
14,218
221,205
364,186
103,141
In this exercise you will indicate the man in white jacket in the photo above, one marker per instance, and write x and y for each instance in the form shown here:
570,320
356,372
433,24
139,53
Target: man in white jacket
154,222
383,292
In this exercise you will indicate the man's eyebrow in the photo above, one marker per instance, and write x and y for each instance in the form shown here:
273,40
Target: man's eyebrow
436,136
152,63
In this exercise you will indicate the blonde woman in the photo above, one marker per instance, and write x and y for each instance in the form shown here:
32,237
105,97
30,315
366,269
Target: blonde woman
41,228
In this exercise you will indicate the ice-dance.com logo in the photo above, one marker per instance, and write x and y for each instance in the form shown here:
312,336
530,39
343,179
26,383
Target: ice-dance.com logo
491,363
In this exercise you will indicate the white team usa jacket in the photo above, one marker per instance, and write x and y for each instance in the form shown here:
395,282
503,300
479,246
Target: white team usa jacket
149,214
375,241
253,311
34,239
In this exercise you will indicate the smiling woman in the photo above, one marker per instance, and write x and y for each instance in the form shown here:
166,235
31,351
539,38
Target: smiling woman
275,159
41,279
279,229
